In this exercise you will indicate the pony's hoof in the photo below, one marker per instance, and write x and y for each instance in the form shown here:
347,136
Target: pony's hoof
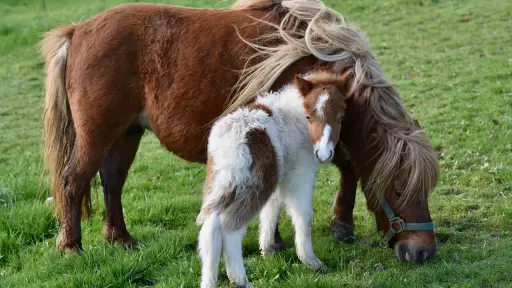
124,239
67,246
342,232
69,250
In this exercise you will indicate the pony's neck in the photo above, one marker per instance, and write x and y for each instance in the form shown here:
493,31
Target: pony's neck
357,141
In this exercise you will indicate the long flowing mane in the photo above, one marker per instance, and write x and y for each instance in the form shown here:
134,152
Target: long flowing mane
308,27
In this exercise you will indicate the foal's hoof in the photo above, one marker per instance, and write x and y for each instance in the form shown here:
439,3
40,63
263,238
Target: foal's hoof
342,232
245,285
314,264
274,248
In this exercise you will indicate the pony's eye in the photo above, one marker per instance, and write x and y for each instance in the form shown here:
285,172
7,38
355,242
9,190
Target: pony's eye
308,117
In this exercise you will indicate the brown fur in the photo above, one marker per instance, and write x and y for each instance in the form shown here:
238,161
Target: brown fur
171,68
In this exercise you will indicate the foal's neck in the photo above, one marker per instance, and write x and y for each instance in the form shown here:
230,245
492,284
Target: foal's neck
287,108
285,103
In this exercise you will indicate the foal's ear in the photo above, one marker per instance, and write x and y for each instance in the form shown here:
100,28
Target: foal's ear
303,85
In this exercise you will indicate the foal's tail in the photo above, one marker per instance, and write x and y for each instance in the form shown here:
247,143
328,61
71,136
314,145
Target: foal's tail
58,129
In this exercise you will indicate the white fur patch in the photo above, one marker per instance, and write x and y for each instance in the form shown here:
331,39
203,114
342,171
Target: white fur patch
227,145
320,106
232,159
325,148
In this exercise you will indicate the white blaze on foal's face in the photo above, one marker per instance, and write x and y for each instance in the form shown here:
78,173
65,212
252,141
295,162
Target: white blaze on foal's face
324,106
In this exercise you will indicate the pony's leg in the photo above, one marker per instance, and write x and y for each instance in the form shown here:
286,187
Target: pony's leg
232,248
210,247
83,164
269,217
298,196
342,223
113,176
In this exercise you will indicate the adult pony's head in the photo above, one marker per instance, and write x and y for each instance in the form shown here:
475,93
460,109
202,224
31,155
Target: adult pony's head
396,164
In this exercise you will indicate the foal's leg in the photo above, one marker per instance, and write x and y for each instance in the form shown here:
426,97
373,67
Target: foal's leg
342,223
298,196
210,247
232,247
113,176
269,217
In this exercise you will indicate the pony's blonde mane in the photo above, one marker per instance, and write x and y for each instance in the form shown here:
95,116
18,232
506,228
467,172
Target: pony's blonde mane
308,27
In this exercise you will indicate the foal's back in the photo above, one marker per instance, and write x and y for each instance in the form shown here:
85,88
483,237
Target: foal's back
243,163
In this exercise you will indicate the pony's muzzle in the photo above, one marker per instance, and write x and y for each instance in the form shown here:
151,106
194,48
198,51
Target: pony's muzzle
415,255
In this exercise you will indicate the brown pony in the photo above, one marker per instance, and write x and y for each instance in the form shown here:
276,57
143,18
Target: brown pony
159,67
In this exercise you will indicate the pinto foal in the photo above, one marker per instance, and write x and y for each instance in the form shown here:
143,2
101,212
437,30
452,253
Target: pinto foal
260,157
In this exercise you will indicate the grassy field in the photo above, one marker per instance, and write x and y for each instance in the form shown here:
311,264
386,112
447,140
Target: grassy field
452,62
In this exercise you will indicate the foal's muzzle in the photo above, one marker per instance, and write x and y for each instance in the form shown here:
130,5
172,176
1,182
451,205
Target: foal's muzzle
324,160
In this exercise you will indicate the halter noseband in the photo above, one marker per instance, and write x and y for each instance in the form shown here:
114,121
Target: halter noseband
397,224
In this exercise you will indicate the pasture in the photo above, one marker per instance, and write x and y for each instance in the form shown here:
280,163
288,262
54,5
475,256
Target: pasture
452,62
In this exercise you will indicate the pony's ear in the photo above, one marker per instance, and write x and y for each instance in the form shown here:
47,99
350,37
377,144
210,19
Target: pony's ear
417,124
345,82
303,85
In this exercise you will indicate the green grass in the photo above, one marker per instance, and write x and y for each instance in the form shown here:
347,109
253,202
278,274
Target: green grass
452,62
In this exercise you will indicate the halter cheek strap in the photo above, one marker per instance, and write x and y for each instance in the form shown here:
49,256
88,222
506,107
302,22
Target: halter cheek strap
397,224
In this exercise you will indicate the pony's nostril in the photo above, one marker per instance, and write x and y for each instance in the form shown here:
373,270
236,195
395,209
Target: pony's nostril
316,154
330,156
424,255
420,255
401,251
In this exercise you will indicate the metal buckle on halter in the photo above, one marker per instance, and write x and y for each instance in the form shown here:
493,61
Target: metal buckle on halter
396,220
397,224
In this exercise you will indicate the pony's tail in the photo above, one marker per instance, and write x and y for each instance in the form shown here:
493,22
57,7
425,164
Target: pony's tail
58,128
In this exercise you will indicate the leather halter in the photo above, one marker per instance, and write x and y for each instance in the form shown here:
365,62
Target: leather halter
397,224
